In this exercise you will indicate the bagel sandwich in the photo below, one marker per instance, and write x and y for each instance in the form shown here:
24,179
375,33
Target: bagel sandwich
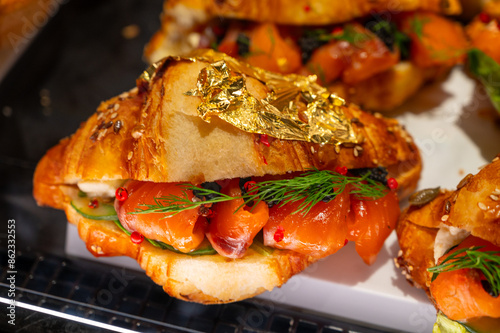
450,247
223,180
376,54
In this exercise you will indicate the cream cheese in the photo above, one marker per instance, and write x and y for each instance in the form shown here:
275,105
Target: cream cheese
446,238
98,188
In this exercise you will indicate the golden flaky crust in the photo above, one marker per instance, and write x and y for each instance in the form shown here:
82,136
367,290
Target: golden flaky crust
161,138
474,206
206,279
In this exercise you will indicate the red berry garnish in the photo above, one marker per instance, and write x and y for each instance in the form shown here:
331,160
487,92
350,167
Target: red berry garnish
206,212
279,234
250,187
342,170
485,18
337,30
121,194
264,140
217,30
136,237
93,203
346,241
307,8
392,183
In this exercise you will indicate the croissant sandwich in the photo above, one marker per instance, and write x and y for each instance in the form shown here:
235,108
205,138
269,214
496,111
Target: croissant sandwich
376,54
450,247
223,180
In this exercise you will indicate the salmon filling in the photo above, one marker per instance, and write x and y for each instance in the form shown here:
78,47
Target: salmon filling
350,53
231,226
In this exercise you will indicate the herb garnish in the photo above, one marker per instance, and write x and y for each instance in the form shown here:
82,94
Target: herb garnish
417,25
488,262
390,35
313,186
487,70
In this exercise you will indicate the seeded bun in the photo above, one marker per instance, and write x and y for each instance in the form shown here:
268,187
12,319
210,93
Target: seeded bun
160,138
474,206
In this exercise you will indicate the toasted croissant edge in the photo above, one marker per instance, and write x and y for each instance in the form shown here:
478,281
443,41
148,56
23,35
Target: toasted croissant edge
208,279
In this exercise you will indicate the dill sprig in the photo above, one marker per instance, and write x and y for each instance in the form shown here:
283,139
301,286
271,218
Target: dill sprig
488,262
312,187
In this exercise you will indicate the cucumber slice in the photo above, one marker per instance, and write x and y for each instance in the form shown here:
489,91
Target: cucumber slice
204,249
104,211
475,325
260,248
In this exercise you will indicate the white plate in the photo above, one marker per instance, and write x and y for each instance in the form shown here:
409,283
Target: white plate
452,123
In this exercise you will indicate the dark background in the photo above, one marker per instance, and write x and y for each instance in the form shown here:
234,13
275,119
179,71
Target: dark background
79,59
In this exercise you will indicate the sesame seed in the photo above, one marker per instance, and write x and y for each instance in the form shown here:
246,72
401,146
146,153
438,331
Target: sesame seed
312,150
117,106
114,115
96,249
494,197
496,191
129,156
445,218
355,152
337,149
101,135
496,159
482,206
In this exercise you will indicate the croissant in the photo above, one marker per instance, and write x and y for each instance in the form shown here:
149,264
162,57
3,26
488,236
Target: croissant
449,220
153,134
368,52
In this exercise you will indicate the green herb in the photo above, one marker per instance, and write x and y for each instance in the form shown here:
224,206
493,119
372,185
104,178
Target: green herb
271,38
352,35
317,70
165,246
311,187
349,33
390,35
417,25
214,46
488,262
487,71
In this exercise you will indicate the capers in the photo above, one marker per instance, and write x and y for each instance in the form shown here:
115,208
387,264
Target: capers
423,197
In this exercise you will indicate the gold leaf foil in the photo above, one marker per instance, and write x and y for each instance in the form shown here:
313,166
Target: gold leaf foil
296,107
